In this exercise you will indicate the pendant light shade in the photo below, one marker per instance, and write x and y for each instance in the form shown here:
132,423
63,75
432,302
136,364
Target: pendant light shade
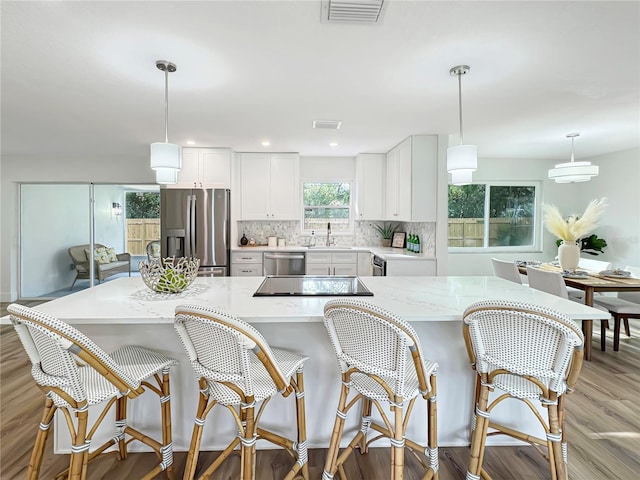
166,156
461,177
573,172
461,158
166,176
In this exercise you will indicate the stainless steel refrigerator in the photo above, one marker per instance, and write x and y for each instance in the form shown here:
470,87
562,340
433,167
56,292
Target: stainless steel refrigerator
195,223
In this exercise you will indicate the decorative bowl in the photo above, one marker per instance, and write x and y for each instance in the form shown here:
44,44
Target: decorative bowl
169,275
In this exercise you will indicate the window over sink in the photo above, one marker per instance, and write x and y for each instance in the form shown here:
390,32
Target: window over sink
326,202
494,216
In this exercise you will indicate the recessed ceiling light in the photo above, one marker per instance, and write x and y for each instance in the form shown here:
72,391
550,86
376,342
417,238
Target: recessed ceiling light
190,142
333,144
266,143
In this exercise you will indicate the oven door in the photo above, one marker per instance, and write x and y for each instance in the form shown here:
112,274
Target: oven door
379,267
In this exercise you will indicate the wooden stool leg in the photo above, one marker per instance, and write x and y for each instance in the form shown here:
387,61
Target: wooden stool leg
432,432
248,442
366,417
397,442
479,435
556,460
302,425
79,448
121,423
332,455
196,436
167,436
41,439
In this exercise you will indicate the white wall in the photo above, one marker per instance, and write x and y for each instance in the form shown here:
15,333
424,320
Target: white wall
618,181
68,169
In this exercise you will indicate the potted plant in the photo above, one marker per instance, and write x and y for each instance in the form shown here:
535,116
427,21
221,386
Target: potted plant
386,231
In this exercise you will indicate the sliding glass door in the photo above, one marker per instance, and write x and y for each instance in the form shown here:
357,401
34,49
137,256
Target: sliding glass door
57,222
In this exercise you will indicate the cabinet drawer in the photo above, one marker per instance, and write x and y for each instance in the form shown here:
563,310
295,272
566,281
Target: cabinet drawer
345,269
344,257
318,269
246,257
319,257
246,270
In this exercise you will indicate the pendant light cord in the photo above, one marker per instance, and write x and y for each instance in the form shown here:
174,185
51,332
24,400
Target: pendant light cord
166,105
460,106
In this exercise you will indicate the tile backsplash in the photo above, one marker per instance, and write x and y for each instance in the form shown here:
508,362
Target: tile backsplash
365,235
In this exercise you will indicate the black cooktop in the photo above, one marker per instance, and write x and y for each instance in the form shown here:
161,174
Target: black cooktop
311,285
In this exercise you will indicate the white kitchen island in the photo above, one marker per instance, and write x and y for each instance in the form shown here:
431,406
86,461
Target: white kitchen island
125,311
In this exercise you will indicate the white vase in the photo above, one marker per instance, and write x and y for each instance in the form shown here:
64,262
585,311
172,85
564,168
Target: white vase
569,255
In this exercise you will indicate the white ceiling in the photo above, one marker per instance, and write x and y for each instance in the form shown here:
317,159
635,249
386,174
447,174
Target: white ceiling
79,78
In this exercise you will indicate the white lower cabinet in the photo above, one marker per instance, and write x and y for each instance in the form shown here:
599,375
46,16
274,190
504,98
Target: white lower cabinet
365,264
246,264
411,268
332,263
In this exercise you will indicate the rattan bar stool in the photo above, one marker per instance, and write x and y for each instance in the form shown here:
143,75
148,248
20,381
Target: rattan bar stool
75,373
237,369
529,353
381,360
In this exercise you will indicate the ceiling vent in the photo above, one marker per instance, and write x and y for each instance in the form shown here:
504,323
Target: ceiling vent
328,124
352,11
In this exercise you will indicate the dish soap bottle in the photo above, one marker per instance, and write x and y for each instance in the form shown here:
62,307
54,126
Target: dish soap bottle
244,240
312,239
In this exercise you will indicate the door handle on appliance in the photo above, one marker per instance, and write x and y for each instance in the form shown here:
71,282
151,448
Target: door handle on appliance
187,231
288,257
192,233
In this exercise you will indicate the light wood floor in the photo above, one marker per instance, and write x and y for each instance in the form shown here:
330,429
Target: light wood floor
603,424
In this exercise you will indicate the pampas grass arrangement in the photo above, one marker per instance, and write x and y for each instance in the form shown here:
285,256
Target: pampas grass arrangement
573,228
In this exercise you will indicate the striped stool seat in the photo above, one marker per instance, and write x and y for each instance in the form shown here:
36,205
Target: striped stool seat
236,368
381,361
75,373
529,353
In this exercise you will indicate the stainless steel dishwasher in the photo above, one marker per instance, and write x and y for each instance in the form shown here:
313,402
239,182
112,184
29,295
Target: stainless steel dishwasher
283,263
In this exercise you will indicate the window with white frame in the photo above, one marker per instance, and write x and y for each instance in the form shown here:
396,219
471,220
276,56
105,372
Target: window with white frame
327,202
494,216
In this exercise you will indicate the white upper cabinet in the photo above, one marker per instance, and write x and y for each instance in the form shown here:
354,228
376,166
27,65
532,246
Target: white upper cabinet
204,168
369,203
411,180
270,186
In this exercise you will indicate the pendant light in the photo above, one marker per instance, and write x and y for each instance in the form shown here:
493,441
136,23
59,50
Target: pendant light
461,158
573,172
461,177
166,158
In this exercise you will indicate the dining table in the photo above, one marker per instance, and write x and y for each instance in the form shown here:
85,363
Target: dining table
590,282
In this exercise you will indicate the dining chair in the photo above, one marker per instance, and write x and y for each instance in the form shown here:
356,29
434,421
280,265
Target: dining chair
237,369
381,361
75,374
547,281
623,307
528,353
506,269
553,283
590,265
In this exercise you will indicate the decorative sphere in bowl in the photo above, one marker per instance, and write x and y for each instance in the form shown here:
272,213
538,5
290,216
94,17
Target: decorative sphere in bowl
169,275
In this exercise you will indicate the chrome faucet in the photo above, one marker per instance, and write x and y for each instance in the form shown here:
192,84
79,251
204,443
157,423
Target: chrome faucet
328,234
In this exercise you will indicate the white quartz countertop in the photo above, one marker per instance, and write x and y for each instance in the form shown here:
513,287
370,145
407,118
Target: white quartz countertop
417,299
384,252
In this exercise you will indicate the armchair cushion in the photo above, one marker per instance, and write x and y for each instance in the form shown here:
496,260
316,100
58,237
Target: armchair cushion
105,263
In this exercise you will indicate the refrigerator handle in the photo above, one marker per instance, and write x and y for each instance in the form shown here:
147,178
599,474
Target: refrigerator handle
187,230
192,230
